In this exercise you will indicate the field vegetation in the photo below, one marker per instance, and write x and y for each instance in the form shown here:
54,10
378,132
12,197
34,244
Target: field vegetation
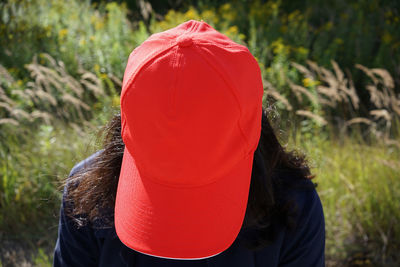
331,87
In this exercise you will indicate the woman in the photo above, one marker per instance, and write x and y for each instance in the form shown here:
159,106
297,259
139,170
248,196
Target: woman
191,173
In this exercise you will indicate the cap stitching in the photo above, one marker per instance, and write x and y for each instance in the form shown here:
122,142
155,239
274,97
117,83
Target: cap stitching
123,227
186,32
184,186
175,67
228,45
195,27
191,29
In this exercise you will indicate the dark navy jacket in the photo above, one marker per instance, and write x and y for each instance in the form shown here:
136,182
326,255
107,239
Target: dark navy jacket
90,246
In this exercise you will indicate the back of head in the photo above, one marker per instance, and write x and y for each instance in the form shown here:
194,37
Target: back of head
191,107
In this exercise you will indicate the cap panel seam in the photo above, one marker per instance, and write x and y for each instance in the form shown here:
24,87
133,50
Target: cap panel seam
233,92
240,48
195,27
175,68
148,60
227,45
191,29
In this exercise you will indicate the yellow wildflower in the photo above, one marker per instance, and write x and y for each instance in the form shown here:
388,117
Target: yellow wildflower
283,29
292,16
116,101
227,12
301,50
386,37
62,33
339,41
191,14
278,47
170,16
18,195
99,25
209,16
308,82
388,14
225,7
82,42
232,31
93,18
328,25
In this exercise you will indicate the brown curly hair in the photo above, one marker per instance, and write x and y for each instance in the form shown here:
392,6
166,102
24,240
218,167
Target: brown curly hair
91,191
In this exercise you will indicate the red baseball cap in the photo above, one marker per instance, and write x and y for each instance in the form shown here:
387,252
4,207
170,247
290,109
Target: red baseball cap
191,107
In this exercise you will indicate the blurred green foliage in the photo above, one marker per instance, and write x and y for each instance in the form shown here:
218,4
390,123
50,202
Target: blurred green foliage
366,31
359,188
58,46
76,32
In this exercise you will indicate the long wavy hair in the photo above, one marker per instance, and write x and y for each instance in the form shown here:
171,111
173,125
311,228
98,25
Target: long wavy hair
92,190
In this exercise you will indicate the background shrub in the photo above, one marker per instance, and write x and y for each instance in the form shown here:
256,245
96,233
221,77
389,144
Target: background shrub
331,82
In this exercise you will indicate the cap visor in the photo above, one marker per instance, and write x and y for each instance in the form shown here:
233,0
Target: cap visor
180,222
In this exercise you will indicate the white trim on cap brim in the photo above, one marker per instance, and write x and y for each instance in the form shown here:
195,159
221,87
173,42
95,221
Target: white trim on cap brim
177,258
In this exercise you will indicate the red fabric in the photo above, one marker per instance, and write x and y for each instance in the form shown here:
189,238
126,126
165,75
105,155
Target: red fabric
191,108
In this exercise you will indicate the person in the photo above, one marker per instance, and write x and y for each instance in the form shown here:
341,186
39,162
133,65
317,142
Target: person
191,172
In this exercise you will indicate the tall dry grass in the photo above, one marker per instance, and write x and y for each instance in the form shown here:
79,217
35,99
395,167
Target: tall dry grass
358,177
41,121
52,95
327,98
331,99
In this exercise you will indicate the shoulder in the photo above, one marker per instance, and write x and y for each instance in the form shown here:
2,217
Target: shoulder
292,187
308,206
77,244
303,195
304,244
73,179
72,182
84,164
78,189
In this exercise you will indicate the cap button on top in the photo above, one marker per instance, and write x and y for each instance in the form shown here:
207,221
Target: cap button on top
184,41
